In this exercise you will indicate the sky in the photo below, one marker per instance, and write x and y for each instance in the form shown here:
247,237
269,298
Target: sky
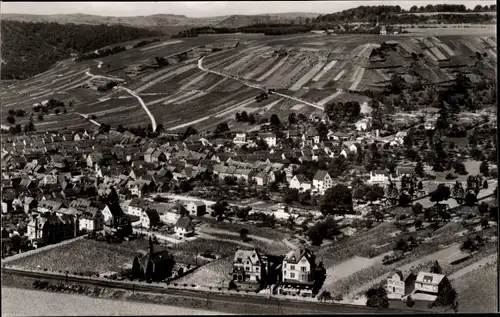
205,9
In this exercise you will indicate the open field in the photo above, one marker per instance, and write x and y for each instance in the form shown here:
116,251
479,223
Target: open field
80,256
477,291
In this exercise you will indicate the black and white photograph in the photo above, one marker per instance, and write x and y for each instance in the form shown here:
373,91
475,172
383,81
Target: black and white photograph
249,158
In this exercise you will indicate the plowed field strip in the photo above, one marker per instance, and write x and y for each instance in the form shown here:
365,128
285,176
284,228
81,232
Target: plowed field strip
178,71
330,98
193,81
260,68
280,72
447,49
358,80
307,77
337,78
324,70
381,73
438,53
272,70
355,75
284,81
195,96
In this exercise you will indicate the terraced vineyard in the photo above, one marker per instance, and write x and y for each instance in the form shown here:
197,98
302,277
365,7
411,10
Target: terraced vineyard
317,69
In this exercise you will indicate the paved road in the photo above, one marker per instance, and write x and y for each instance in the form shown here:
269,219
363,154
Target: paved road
228,298
153,121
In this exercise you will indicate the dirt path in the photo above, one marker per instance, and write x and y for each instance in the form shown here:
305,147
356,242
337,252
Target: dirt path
153,121
484,261
207,236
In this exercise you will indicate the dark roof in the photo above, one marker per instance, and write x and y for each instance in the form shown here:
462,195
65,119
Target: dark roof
320,175
184,222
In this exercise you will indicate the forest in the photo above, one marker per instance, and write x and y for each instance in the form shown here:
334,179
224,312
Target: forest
29,48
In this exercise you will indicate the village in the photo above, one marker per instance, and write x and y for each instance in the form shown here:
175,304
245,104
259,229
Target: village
318,185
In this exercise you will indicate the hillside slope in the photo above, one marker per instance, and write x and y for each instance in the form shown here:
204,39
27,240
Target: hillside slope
166,23
30,48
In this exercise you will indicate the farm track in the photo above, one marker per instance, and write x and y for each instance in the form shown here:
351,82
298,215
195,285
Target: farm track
153,121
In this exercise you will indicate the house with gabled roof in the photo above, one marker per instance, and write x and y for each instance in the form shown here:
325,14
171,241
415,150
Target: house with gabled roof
91,219
322,181
299,267
196,208
149,218
400,283
300,182
136,207
184,227
249,266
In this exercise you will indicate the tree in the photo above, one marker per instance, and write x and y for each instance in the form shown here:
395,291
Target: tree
219,210
322,230
336,200
221,128
418,224
420,186
275,121
470,199
237,116
404,200
401,245
11,119
440,194
251,119
377,297
244,234
244,116
484,168
436,268
292,118
447,295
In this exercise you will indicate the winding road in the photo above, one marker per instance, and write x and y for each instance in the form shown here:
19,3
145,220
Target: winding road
153,121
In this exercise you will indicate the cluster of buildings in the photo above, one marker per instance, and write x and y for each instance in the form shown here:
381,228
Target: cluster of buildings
293,273
422,285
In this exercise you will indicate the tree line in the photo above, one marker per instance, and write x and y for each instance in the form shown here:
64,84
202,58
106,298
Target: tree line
29,48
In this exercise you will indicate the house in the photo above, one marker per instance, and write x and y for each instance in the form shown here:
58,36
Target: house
91,219
148,155
300,182
249,266
111,212
158,156
383,30
94,158
269,138
50,228
240,139
379,177
260,179
322,181
427,285
149,218
196,208
400,284
136,207
30,204
311,136
298,269
156,265
184,227
363,124
48,206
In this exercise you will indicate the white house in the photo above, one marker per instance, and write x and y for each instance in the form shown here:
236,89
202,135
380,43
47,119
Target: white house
379,177
136,207
400,284
427,285
383,30
149,218
300,182
269,138
184,227
240,139
363,124
91,219
298,269
196,208
322,181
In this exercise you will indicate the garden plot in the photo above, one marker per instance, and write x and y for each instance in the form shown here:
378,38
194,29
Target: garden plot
262,65
447,49
150,47
246,58
477,291
438,54
171,72
80,256
272,70
282,71
210,275
340,49
382,74
307,77
324,70
191,98
328,99
288,78
193,81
